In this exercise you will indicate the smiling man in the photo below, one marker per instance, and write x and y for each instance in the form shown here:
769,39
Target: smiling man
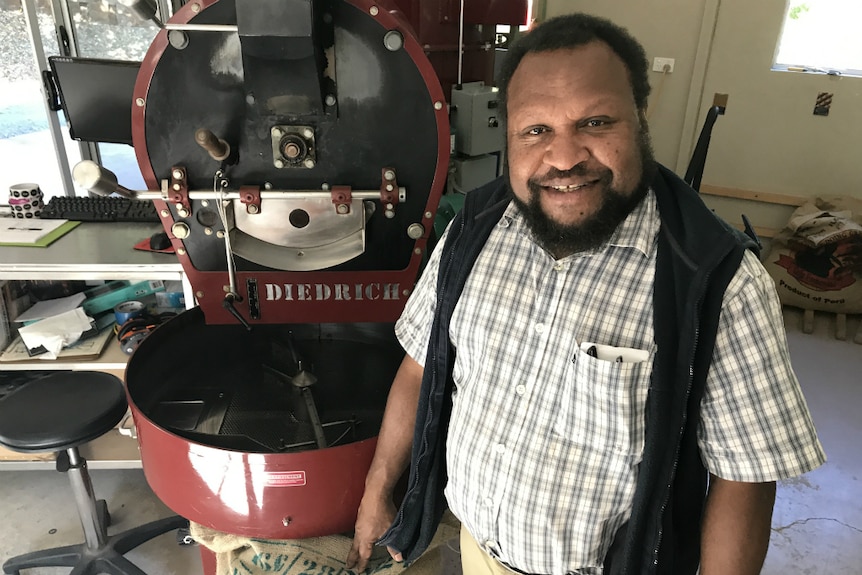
579,155
596,377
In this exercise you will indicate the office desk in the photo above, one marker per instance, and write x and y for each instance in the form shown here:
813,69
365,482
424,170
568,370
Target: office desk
92,251
102,251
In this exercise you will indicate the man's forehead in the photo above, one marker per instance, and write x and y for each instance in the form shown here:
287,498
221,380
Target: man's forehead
594,54
591,65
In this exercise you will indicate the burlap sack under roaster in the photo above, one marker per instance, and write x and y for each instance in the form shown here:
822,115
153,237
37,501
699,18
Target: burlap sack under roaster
816,260
238,555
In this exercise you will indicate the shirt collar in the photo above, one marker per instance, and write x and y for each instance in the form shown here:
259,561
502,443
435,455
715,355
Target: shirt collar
638,231
640,228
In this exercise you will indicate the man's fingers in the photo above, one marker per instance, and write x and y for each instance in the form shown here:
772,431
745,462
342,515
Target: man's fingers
395,554
358,567
356,559
352,557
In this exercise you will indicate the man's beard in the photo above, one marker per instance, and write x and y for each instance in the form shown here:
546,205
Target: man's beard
565,239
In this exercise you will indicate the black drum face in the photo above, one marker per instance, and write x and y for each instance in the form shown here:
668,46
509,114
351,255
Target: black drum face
362,107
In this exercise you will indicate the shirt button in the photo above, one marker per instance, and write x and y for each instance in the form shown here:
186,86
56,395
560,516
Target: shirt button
521,389
500,448
504,223
558,267
540,328
488,503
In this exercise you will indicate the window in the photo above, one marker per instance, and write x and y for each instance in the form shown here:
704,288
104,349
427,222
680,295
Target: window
821,36
99,29
25,142
112,31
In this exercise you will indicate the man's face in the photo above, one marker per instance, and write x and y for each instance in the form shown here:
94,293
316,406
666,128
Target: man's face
577,150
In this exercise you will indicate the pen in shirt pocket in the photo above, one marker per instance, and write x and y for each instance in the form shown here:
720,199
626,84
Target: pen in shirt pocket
612,354
590,351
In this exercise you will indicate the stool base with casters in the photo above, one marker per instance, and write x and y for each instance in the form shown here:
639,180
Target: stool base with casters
58,413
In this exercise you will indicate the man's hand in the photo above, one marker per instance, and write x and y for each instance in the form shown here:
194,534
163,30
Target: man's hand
376,511
375,517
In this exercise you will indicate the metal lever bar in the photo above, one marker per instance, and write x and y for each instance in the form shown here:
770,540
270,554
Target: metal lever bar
202,27
228,304
265,194
92,176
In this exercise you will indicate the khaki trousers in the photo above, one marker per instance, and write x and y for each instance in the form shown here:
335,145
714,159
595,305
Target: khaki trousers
475,561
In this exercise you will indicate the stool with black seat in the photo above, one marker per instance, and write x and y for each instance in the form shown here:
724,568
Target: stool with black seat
59,412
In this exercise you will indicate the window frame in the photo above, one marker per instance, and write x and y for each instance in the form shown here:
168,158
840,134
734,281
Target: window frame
801,67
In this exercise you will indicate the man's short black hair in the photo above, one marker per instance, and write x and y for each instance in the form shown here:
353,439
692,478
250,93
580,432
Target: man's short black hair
573,31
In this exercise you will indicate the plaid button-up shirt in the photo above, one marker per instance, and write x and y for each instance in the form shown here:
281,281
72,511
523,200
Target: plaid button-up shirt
545,438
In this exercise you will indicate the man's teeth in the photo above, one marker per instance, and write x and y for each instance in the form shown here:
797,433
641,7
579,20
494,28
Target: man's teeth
571,188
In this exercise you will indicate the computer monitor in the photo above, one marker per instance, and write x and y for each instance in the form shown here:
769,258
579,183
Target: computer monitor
96,97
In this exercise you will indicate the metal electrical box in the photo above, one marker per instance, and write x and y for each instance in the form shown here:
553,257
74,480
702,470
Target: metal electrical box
476,119
470,173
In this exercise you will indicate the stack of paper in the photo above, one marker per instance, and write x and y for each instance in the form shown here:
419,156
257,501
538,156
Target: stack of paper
56,332
54,324
51,307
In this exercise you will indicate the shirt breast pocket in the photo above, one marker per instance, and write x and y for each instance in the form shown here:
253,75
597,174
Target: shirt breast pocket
603,399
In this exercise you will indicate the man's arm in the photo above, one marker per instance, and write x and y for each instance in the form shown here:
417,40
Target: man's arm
736,527
394,444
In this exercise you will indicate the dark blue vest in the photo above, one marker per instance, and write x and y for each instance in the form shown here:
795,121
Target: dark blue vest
698,255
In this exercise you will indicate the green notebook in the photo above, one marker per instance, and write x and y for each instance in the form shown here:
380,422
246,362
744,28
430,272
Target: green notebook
33,233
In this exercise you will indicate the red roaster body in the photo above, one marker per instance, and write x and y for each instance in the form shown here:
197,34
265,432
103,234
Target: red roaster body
301,149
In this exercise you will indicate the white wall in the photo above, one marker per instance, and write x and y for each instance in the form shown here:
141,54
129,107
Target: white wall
666,28
769,140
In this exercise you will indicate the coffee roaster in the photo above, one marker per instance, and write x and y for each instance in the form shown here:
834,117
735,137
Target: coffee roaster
296,152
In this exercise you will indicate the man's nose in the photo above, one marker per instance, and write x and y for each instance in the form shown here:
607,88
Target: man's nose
566,151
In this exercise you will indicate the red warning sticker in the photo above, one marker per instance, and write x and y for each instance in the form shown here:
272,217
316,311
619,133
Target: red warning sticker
285,478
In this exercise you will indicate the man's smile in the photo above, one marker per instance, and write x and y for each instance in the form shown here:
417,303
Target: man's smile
572,187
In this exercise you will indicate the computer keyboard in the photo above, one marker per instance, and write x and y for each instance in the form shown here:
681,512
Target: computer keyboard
99,209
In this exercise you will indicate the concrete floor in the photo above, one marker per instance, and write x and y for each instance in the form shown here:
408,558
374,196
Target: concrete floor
37,512
817,524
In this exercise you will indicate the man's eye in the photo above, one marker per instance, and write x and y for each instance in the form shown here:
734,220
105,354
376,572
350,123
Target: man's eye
598,123
537,130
